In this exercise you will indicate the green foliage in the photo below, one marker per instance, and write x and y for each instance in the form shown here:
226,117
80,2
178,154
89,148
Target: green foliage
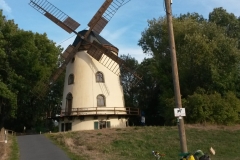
25,59
128,81
208,62
212,108
14,154
228,21
10,98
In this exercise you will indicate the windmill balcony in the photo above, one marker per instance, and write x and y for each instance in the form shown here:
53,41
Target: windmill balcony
101,111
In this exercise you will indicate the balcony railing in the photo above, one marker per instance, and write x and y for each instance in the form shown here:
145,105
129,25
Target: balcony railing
100,111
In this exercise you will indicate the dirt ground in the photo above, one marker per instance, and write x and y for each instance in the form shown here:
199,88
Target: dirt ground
4,147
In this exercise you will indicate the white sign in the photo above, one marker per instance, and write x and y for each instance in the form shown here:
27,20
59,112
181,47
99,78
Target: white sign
179,112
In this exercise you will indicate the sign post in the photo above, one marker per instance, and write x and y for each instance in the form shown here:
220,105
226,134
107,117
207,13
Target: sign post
179,112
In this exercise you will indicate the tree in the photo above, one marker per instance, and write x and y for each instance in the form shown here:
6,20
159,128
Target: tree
151,90
129,81
228,21
8,103
26,58
213,108
8,96
208,58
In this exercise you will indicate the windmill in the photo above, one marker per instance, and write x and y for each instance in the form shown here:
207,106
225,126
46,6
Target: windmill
90,58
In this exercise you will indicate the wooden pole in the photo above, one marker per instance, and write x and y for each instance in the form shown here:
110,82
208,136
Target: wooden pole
178,101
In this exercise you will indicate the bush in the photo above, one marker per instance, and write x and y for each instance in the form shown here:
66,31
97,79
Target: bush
213,108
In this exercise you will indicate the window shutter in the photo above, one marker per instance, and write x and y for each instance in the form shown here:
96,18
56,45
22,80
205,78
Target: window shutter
108,124
95,125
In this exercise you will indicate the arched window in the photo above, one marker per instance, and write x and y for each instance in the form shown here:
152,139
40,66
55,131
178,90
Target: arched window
70,79
99,77
68,108
73,59
101,101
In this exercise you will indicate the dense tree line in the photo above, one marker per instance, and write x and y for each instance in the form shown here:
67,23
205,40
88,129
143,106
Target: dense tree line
208,63
25,59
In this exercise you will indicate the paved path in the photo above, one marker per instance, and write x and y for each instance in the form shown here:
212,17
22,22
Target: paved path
38,147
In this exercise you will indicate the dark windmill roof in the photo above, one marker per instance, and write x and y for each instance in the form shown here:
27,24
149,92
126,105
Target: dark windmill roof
93,36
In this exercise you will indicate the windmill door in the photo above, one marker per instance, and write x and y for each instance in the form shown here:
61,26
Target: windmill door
68,108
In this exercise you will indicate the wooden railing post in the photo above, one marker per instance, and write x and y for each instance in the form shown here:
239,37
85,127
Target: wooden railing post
5,135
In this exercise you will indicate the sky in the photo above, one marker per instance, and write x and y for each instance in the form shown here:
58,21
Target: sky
125,28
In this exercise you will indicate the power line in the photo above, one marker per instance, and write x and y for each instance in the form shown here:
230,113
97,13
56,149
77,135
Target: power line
126,2
65,40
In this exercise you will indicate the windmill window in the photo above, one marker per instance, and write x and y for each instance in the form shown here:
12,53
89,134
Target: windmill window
101,101
68,126
68,108
102,124
99,77
70,79
73,59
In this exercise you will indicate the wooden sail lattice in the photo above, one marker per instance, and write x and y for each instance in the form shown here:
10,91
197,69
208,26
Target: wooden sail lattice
110,7
109,59
41,88
55,15
96,50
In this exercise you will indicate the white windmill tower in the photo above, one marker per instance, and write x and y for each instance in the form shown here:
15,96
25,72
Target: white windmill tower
93,95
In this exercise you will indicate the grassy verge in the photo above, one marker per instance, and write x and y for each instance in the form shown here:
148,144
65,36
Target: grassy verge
14,151
134,143
71,155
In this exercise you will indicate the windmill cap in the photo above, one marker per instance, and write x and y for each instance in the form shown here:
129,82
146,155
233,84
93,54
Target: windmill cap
94,36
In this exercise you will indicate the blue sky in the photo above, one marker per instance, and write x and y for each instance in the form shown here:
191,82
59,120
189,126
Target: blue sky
124,29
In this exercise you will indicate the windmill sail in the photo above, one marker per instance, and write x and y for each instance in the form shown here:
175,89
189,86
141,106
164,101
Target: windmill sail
40,88
55,15
108,59
105,14
97,23
69,53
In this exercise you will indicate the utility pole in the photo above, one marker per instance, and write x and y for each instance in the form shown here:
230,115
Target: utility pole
178,101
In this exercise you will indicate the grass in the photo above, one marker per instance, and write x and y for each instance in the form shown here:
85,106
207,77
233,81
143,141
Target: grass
60,140
137,143
9,150
14,151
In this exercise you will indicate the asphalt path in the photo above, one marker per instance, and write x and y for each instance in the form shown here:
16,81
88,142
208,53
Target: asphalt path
38,147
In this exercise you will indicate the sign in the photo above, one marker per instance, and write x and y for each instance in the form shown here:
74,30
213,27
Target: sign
179,112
